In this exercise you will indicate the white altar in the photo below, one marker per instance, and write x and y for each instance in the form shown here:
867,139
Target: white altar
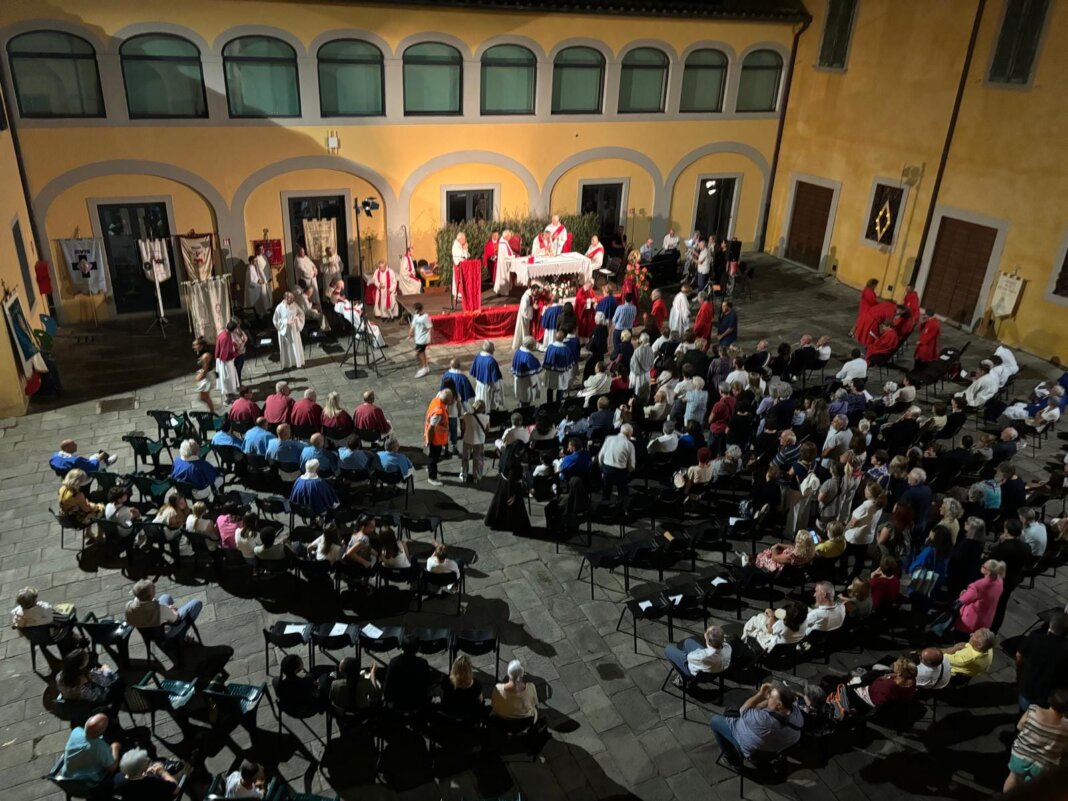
526,268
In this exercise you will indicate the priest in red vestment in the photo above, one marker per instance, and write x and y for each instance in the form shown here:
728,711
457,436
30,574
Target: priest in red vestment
702,325
877,315
884,345
489,254
586,308
868,299
927,346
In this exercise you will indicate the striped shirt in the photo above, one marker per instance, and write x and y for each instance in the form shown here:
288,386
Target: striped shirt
1040,742
623,319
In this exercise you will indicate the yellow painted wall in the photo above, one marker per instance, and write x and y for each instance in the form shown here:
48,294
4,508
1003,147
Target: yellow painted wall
565,194
69,216
750,189
12,379
425,209
1007,162
886,111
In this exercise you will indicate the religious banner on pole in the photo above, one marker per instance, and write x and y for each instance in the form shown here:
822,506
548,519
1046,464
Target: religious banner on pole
320,234
197,255
272,250
86,264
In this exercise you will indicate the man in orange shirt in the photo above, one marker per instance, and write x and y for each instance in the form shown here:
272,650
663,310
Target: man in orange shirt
436,433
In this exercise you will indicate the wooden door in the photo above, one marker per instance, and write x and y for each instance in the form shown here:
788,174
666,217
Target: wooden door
958,268
808,224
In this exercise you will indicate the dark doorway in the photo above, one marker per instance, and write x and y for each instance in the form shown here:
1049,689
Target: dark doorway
606,201
958,269
468,205
715,205
808,224
123,224
315,208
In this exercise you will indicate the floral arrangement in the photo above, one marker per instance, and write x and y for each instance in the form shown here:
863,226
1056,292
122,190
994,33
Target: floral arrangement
637,275
561,288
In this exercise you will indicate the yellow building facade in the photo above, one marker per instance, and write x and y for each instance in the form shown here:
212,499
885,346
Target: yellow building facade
237,175
882,118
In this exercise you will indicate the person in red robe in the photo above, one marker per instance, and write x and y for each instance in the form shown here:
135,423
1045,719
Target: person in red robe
586,308
868,299
927,346
874,318
515,243
535,324
659,312
884,345
702,325
489,255
912,303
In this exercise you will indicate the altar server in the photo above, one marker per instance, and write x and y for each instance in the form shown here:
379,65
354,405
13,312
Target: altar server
489,255
225,354
258,283
927,345
558,234
487,375
559,366
525,370
384,280
307,270
526,315
679,320
289,322
407,278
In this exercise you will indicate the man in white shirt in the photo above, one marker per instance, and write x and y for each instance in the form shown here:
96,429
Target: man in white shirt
671,240
837,440
618,460
828,614
516,432
933,671
420,330
667,442
982,389
30,612
1008,359
1034,533
704,264
693,658
646,251
855,368
460,251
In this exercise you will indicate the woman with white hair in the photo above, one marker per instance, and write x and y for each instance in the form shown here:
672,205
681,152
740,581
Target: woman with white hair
515,699
189,468
313,492
141,778
641,362
487,375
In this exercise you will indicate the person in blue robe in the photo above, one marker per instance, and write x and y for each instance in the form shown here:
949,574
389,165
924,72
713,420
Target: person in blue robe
525,370
559,364
487,375
313,492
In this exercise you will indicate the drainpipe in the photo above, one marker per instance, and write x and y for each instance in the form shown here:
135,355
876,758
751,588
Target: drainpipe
962,84
778,133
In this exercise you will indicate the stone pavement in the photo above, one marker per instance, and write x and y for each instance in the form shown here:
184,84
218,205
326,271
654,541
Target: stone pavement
615,734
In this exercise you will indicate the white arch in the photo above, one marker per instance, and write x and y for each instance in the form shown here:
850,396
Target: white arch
430,37
349,33
90,34
141,28
258,30
596,154
505,39
655,44
582,41
470,157
710,44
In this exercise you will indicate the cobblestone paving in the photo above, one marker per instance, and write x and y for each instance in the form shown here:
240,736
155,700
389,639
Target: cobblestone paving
615,734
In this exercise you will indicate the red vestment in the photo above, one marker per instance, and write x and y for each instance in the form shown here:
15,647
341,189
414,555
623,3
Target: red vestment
659,313
927,346
868,324
884,345
702,326
586,317
489,255
868,299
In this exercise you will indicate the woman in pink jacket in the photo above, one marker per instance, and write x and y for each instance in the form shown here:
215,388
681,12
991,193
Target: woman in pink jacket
979,601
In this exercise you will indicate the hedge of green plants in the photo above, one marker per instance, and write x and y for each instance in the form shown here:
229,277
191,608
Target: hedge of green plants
582,227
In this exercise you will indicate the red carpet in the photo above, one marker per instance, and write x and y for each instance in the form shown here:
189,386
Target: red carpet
494,322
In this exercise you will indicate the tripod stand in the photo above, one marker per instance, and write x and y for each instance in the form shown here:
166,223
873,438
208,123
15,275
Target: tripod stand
362,344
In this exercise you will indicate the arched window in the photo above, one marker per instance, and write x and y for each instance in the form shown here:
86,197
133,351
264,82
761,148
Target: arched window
433,79
163,77
703,80
758,89
642,79
578,81
351,82
55,75
261,77
508,80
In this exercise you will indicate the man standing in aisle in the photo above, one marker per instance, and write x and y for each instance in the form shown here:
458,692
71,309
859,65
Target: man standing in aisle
289,322
436,433
420,330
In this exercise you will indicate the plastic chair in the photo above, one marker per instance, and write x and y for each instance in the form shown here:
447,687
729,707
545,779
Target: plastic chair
442,581
111,635
66,524
429,524
476,642
324,639
238,700
153,695
394,479
388,640
44,637
73,788
433,641
277,636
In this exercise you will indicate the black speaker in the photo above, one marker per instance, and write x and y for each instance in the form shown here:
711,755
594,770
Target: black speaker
734,250
354,287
